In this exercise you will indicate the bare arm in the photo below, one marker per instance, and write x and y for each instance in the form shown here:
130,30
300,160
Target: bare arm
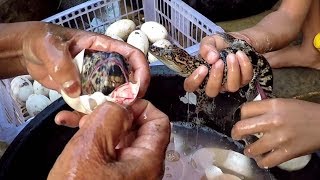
46,52
11,36
278,28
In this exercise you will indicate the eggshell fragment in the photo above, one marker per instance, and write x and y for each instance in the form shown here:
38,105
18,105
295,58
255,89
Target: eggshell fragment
124,95
296,163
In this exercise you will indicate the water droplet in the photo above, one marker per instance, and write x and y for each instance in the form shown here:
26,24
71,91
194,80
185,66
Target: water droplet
168,175
167,168
172,156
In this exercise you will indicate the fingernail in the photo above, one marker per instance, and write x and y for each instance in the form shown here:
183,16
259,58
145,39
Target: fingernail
200,71
242,55
232,58
61,122
72,88
212,57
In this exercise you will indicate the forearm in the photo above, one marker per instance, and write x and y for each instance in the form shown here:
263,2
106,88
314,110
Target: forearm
11,41
279,28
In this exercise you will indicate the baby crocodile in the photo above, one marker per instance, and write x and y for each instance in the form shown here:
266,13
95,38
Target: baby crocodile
184,64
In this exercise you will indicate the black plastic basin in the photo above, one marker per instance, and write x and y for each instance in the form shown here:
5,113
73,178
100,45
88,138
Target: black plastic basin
34,151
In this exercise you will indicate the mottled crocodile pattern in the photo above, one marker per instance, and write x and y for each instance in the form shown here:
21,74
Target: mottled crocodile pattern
103,72
184,64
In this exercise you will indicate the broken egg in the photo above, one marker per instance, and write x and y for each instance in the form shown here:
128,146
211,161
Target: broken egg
104,77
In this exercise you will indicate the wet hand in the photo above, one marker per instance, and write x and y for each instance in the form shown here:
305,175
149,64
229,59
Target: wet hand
239,69
290,129
116,143
48,51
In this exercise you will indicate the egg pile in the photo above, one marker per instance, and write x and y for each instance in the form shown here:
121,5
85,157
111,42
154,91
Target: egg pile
150,33
31,96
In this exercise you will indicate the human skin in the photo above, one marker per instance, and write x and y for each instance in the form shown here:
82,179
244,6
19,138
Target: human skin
116,143
273,32
45,51
290,126
305,54
290,129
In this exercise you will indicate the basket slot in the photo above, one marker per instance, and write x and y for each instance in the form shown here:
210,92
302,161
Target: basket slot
186,27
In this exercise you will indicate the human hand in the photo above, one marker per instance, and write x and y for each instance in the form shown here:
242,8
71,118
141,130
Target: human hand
239,68
290,129
48,51
116,143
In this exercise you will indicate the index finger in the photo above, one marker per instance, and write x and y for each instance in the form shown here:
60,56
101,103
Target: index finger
135,58
250,126
255,108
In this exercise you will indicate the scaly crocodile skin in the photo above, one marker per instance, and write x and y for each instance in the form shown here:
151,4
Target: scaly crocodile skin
103,71
184,64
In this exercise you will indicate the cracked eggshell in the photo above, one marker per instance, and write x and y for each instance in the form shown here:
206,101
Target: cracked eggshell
139,40
154,31
84,103
163,43
121,28
87,103
36,103
21,88
296,163
39,89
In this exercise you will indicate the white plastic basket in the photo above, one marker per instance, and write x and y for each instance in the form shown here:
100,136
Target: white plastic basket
186,27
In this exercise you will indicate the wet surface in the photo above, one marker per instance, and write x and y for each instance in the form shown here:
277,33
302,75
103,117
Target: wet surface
184,158
42,140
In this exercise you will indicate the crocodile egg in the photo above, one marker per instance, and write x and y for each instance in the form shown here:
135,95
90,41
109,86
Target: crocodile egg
21,88
36,103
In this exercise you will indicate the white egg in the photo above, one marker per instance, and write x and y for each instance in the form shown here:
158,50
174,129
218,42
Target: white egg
121,28
21,88
116,37
39,89
163,43
54,95
36,103
139,40
154,31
